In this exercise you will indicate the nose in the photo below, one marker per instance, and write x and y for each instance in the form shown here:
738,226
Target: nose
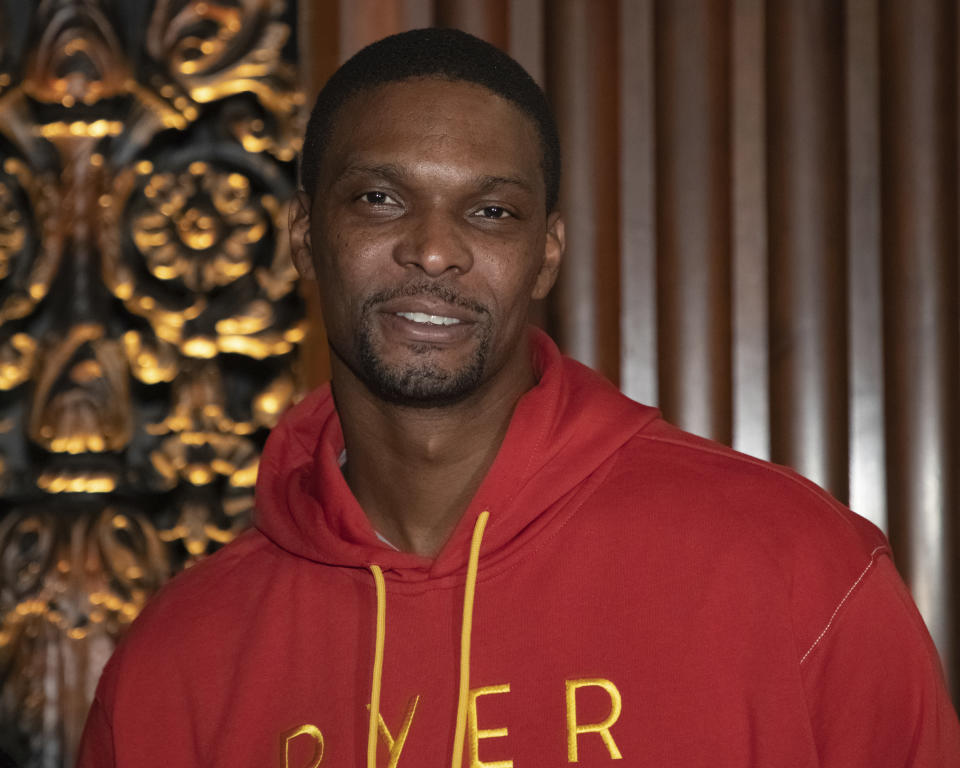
435,241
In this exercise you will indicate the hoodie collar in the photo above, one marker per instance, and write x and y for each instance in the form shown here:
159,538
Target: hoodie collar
561,431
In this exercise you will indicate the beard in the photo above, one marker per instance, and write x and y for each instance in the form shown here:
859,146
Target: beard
422,383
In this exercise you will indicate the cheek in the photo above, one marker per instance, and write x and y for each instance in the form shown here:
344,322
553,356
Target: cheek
511,293
517,277
350,263
341,285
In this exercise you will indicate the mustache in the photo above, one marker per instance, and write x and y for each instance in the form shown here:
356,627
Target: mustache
425,288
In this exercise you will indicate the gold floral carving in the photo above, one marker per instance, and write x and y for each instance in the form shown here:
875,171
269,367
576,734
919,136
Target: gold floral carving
149,318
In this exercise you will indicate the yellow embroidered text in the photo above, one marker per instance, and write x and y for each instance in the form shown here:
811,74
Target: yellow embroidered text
475,734
304,730
574,729
395,746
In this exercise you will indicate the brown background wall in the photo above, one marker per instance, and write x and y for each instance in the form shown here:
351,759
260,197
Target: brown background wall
761,202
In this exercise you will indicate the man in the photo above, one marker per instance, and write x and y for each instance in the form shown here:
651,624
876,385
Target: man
473,550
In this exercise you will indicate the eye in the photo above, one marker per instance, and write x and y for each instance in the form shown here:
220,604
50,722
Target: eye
377,198
493,212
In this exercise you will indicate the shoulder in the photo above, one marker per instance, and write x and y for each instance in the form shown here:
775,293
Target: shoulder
727,491
185,620
218,583
760,523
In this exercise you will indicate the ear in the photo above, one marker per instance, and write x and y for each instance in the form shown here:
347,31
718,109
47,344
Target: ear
301,250
553,249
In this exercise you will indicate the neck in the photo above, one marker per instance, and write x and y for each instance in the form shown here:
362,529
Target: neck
414,471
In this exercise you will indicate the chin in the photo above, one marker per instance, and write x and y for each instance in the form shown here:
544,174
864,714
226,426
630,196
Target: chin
422,386
422,381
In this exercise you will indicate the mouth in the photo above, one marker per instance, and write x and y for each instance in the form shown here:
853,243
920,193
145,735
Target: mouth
423,318
427,320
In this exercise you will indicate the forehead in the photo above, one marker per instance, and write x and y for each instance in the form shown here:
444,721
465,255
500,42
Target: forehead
427,121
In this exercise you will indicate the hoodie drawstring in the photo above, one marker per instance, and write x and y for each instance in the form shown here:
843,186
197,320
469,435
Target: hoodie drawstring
466,627
377,666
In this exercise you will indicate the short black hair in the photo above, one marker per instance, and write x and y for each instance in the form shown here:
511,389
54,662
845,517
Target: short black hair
434,52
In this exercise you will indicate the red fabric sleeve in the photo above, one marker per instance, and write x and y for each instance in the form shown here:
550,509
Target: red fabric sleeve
96,744
874,684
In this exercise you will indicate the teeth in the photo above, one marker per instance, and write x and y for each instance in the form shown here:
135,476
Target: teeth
421,317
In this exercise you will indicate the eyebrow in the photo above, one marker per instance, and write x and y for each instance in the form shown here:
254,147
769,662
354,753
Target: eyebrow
387,171
489,183
397,174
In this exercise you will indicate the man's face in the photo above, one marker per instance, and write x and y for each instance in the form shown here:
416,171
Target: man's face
428,237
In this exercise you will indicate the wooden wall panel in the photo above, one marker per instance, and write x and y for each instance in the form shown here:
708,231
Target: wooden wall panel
867,455
638,270
751,390
692,115
582,83
489,20
726,261
919,197
364,21
526,32
806,213
318,35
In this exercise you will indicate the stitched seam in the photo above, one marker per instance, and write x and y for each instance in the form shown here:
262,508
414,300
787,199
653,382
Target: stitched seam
740,458
841,604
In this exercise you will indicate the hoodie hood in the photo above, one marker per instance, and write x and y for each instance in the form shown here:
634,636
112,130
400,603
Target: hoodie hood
561,431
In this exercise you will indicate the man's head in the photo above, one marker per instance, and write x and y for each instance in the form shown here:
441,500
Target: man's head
436,52
427,229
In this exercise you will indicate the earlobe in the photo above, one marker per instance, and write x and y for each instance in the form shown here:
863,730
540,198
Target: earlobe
553,248
300,246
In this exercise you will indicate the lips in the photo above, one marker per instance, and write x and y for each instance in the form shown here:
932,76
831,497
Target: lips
421,317
419,308
426,320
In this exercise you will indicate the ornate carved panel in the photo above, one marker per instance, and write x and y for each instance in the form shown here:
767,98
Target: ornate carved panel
149,319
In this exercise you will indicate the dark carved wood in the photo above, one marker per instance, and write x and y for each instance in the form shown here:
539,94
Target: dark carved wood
149,320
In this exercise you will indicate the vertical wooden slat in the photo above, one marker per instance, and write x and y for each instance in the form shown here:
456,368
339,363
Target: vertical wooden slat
526,26
488,20
807,235
416,14
919,196
693,214
638,272
526,36
751,391
318,38
867,480
582,83
364,21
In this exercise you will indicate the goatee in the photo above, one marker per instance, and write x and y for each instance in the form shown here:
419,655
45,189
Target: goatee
419,384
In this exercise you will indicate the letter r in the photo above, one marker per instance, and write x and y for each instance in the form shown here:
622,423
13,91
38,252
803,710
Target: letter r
574,729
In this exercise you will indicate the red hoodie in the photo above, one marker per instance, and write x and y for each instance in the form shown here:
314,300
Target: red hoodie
636,593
